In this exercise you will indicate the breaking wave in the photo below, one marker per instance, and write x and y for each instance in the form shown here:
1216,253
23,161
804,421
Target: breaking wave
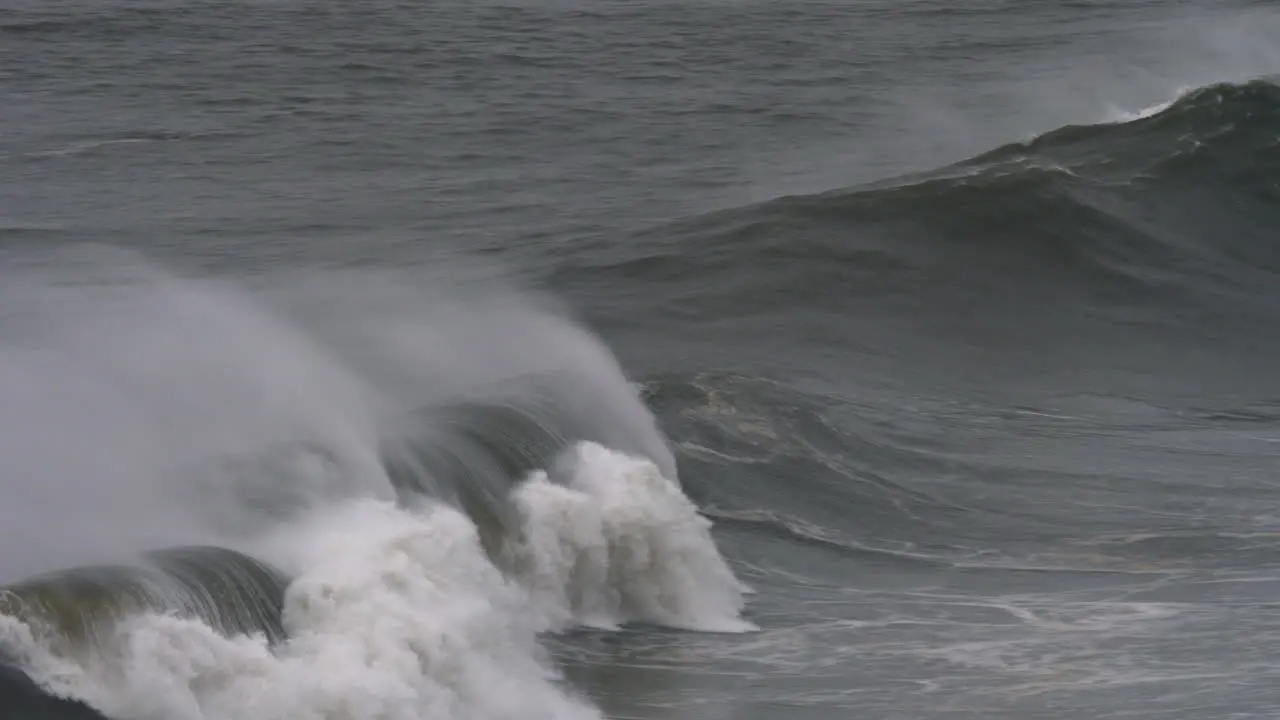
349,497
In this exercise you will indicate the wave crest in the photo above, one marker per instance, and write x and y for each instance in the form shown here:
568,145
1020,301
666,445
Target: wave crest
1175,207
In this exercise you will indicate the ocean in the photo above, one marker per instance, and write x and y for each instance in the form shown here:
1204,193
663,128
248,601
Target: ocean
639,359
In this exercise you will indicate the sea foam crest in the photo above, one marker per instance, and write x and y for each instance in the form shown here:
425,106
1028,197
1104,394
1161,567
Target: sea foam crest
399,614
619,542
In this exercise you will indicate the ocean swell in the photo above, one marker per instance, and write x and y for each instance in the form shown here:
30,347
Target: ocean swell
1174,206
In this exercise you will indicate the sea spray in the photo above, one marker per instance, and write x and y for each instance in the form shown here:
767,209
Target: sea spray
141,408
260,420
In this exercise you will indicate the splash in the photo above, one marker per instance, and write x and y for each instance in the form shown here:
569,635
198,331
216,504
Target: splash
619,542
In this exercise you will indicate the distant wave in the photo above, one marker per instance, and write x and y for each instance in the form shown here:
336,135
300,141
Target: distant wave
96,23
1222,122
1175,203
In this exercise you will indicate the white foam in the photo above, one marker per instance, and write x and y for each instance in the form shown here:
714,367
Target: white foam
399,614
1119,115
620,542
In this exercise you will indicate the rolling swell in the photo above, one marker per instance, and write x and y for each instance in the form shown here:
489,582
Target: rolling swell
1155,210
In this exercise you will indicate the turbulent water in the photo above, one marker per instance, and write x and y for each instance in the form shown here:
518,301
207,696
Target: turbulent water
658,359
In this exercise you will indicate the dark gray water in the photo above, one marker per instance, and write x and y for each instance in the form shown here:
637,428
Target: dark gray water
957,319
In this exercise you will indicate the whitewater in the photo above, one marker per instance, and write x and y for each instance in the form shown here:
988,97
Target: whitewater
401,603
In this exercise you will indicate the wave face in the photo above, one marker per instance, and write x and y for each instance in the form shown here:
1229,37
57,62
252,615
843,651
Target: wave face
326,489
